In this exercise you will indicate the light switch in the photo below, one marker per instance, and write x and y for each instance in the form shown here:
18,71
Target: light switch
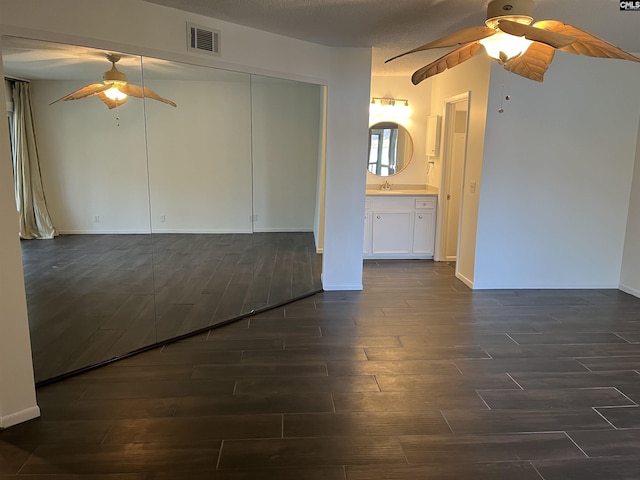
472,187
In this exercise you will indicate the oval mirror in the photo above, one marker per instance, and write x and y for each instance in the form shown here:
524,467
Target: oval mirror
390,149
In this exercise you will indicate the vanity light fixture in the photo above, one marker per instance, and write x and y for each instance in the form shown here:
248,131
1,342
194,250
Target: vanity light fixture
389,108
392,102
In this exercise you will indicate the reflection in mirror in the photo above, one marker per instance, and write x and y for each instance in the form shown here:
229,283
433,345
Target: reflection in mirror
390,149
200,195
286,147
89,290
170,220
218,254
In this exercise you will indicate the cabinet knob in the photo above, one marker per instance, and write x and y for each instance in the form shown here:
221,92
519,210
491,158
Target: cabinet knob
378,217
420,217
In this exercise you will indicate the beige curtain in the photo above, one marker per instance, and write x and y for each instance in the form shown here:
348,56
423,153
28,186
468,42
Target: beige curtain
32,207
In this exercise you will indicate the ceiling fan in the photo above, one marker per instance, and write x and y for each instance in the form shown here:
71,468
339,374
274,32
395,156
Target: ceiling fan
114,89
509,37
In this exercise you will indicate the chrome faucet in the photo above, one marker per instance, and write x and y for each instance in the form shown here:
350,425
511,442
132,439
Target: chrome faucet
385,186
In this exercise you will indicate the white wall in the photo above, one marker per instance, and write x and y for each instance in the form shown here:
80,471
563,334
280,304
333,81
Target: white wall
419,97
346,169
557,176
472,76
17,393
630,276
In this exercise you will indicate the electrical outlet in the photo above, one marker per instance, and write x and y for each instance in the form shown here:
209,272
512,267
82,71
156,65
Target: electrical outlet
163,218
96,219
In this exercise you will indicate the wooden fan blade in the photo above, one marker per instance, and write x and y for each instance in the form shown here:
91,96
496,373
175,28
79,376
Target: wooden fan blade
533,63
140,92
450,60
110,102
554,39
467,35
133,90
585,44
84,92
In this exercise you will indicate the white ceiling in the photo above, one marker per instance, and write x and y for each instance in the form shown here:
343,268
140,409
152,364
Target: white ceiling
389,26
37,60
394,26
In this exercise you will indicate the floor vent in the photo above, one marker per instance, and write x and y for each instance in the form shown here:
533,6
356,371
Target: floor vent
203,40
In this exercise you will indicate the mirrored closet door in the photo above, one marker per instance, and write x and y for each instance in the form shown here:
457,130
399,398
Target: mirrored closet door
185,209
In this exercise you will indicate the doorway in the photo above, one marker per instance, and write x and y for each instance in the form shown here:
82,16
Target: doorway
456,120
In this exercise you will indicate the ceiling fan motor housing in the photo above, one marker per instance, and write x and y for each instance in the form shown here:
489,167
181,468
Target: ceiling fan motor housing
114,76
520,11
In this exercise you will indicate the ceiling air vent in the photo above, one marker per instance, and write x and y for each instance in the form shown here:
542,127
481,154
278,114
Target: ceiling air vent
203,40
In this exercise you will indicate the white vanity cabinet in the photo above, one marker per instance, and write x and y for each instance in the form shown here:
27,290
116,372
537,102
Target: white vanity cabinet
399,225
391,232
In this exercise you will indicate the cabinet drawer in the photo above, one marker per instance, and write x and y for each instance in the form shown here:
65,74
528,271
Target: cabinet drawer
425,203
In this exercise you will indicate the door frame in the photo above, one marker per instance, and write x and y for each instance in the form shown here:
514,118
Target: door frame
447,147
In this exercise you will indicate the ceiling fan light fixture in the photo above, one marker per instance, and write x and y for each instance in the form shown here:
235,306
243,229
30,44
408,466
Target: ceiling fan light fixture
115,94
509,37
114,89
504,47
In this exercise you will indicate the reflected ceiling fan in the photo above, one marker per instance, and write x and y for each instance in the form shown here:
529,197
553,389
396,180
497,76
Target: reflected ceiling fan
114,90
510,38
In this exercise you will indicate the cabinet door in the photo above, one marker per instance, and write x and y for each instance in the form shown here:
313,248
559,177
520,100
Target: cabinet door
423,233
367,233
391,232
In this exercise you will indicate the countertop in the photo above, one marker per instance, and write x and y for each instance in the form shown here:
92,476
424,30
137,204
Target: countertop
402,191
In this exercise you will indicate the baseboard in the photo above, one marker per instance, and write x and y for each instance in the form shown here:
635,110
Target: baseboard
543,286
465,280
181,230
104,232
147,232
328,288
397,256
630,290
282,229
19,417
199,231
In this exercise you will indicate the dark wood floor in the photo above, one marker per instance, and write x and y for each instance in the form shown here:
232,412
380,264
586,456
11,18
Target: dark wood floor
95,297
416,377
